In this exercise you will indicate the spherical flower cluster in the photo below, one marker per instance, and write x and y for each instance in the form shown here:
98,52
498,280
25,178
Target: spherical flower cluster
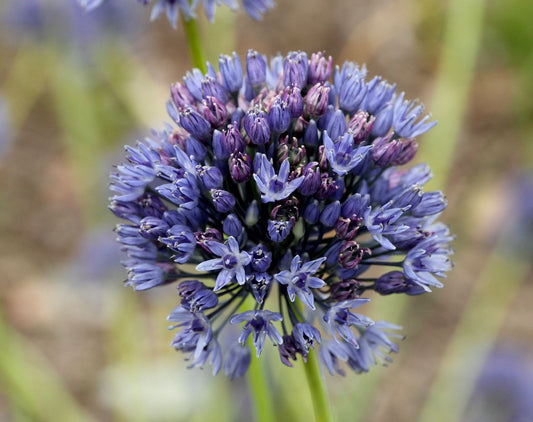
172,8
278,187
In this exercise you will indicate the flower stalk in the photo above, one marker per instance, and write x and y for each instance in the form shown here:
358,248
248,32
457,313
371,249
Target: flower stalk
317,389
194,43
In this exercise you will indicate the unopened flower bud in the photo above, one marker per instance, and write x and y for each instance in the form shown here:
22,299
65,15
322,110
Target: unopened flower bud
345,290
292,97
240,167
295,68
214,111
210,176
311,181
222,200
319,68
232,226
312,212
316,100
350,255
255,68
311,134
234,140
361,126
211,88
181,95
256,126
330,214
194,123
279,116
231,72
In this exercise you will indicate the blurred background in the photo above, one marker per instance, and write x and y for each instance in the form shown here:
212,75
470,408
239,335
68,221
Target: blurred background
75,345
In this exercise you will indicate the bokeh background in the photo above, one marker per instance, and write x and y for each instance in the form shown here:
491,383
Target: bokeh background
75,345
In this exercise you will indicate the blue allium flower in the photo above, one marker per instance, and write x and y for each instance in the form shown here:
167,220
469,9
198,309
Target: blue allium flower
173,8
273,184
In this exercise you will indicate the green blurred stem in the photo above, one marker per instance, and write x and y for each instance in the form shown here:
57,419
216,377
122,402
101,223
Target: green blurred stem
460,50
260,391
194,43
319,396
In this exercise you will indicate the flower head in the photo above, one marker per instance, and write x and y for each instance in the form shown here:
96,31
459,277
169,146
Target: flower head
174,8
281,187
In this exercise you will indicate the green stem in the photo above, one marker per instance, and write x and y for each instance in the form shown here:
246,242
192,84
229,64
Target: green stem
318,391
260,391
194,43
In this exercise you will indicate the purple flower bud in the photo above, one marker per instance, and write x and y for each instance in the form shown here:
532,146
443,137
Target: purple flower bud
222,200
232,225
312,180
193,82
319,68
330,214
407,151
378,95
180,239
196,297
355,205
260,283
181,95
409,198
278,230
432,203
312,212
292,97
279,116
220,146
350,255
255,68
256,126
231,72
289,350
311,134
240,167
261,258
194,123
383,121
316,100
361,126
152,227
337,125
306,335
345,290
214,111
295,67
395,282
327,188
195,149
211,88
351,89
346,228
234,140
213,235
385,150
189,288
210,176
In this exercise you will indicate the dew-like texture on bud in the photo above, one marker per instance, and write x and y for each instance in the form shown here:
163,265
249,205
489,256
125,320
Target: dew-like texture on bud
279,181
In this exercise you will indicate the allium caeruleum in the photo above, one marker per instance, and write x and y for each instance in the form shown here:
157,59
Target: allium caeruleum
281,187
172,8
